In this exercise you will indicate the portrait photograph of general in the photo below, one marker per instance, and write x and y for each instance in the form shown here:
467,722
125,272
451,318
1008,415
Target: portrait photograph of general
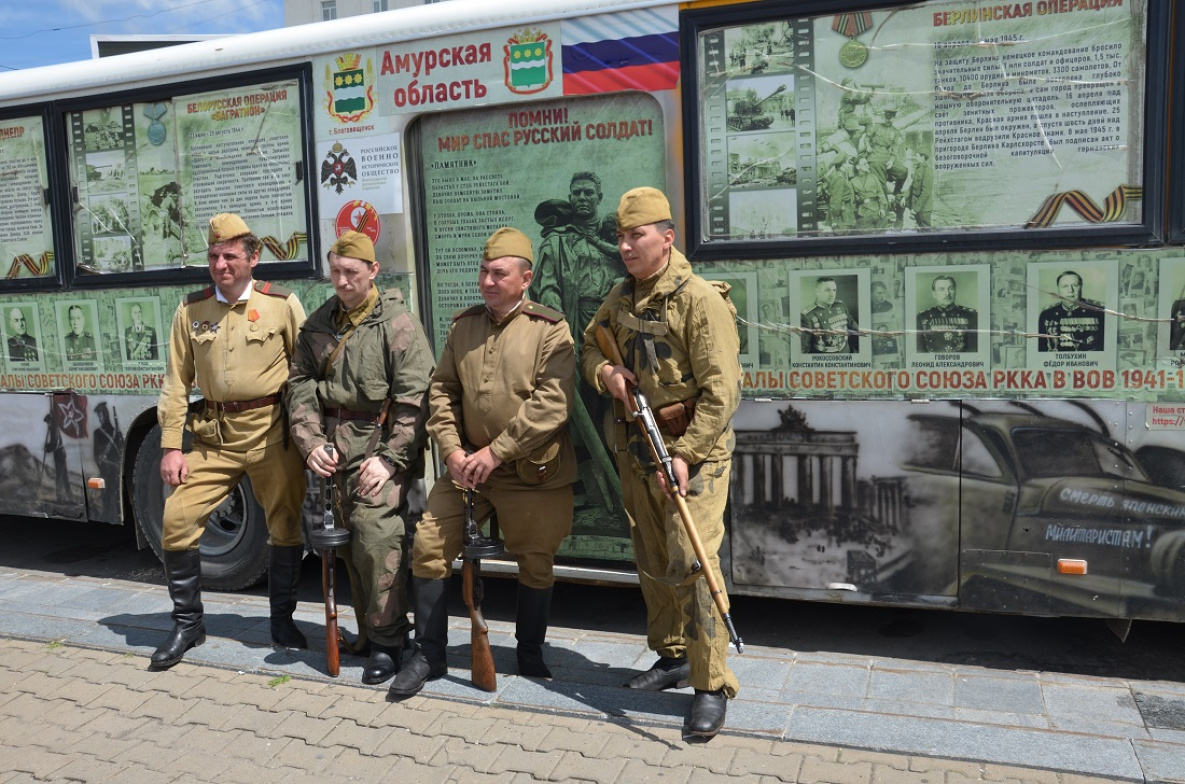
1170,308
78,322
22,336
1072,313
832,306
140,333
743,293
947,312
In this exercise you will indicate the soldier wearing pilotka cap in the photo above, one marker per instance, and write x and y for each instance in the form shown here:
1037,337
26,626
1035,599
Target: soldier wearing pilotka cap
360,383
499,404
677,333
234,340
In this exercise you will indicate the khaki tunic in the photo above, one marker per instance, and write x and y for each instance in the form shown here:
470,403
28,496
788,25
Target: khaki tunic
678,335
509,386
234,352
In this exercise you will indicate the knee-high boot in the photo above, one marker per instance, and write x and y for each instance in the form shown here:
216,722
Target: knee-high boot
534,607
428,662
183,571
283,578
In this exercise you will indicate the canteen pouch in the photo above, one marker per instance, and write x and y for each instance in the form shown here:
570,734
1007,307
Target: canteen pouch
542,465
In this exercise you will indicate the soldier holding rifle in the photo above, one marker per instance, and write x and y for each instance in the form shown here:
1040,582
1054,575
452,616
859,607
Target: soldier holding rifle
359,382
499,401
677,336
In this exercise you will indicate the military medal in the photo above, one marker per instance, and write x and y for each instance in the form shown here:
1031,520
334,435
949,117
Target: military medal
853,54
156,128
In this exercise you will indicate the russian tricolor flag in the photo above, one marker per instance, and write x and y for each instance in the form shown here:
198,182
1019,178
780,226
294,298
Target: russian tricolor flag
633,50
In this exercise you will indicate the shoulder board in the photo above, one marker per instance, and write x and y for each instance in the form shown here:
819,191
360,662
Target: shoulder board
271,289
198,296
476,310
543,312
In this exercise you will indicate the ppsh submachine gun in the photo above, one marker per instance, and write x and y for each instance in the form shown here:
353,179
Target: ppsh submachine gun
326,538
475,548
643,416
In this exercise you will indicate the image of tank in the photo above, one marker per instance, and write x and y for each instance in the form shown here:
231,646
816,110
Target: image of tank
747,113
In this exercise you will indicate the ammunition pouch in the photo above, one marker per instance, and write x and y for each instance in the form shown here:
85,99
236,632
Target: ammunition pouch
675,418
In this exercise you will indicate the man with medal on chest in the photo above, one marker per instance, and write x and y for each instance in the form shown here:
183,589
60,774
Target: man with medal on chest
234,341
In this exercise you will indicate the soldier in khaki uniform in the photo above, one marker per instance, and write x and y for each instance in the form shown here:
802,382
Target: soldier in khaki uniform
677,333
360,382
233,340
499,405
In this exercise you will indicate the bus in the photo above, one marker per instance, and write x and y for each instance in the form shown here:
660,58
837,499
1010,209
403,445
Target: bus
952,231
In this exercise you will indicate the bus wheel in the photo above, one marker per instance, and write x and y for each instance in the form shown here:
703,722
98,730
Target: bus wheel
1168,563
234,544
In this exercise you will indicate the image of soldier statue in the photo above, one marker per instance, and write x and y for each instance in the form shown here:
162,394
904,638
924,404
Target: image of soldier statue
108,442
1072,323
139,339
829,327
22,347
575,266
80,342
947,327
359,383
54,445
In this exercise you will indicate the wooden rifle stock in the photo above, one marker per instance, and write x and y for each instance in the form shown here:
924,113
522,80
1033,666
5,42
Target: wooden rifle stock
482,672
329,587
643,417
327,537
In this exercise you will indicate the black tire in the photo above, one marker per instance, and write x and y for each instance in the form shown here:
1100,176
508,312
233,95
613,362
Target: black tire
234,544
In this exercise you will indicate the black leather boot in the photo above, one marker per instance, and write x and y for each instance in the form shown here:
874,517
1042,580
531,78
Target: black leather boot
534,607
666,673
183,571
283,578
707,713
384,662
431,615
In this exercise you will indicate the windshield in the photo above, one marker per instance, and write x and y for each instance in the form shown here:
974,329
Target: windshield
1051,453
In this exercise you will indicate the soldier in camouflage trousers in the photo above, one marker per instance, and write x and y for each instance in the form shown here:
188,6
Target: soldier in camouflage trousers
359,381
677,332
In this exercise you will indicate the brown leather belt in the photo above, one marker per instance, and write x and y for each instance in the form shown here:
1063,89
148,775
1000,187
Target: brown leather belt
235,407
345,413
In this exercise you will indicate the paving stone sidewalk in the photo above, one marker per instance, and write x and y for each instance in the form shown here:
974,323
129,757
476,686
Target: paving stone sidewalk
1005,725
74,714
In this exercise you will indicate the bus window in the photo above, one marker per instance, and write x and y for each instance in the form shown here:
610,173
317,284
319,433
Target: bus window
1052,453
26,241
148,175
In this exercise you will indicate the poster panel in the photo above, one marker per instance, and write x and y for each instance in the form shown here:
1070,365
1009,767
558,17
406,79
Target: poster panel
868,501
26,228
150,174
950,116
556,171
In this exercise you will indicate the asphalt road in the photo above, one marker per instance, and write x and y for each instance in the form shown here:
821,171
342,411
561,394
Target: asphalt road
1078,646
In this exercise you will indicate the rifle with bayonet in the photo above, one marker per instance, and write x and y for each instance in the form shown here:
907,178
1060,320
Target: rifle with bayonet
327,537
639,409
475,548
